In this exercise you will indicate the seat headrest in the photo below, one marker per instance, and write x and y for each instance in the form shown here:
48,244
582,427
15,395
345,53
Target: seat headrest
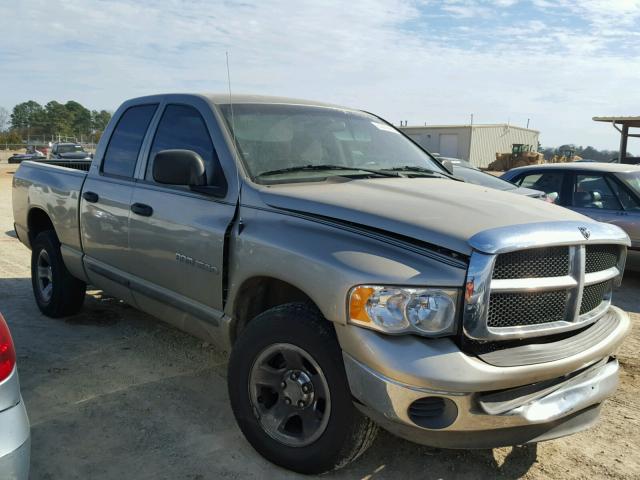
581,199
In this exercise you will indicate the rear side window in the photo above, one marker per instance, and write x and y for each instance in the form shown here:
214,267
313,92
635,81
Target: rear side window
182,127
124,145
627,200
548,182
593,191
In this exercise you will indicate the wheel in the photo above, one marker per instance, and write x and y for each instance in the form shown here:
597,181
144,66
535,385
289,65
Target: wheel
289,392
57,292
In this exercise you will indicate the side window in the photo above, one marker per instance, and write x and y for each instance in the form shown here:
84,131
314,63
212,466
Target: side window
593,191
124,145
550,183
528,180
625,197
182,127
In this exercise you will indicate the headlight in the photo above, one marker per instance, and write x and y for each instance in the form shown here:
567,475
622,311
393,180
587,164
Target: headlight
426,311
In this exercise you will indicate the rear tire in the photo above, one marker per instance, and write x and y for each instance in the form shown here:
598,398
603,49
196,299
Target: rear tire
287,364
57,292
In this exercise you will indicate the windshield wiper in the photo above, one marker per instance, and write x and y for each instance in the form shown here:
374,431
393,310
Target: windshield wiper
427,172
311,168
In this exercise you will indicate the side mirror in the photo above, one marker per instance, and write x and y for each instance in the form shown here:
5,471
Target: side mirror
179,167
447,165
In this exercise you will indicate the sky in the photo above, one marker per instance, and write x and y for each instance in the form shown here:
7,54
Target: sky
555,63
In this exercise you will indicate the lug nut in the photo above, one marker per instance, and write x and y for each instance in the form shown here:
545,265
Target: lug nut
301,404
306,388
294,376
283,384
287,401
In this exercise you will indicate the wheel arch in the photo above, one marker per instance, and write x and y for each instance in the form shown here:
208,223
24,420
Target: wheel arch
259,294
38,221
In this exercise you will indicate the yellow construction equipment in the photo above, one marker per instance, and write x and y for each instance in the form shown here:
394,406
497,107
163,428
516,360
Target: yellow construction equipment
520,156
565,156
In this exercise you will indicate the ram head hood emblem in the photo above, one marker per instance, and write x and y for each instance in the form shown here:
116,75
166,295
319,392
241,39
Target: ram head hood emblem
585,232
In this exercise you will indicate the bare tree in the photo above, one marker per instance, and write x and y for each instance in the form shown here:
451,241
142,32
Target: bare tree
4,119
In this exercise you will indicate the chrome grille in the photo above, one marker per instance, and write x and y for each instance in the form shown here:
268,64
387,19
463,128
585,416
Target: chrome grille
540,289
592,296
526,308
601,257
518,302
533,263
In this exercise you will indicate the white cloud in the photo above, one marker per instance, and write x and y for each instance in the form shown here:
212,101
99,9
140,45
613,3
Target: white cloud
622,13
465,8
505,3
383,56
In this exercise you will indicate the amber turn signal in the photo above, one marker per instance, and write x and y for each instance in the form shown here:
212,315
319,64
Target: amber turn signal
358,303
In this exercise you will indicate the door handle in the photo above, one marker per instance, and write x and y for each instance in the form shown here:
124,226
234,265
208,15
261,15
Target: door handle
90,197
142,209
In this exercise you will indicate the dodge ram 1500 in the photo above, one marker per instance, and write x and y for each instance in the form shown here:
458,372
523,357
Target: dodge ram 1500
353,280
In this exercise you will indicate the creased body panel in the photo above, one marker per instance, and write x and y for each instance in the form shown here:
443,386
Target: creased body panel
325,262
439,365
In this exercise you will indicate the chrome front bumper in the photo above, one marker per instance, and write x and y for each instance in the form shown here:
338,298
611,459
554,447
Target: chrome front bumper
509,417
486,405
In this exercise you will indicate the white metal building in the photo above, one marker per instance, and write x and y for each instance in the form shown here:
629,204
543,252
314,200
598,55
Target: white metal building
476,143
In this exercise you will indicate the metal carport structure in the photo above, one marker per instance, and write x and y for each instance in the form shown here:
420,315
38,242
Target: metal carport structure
625,124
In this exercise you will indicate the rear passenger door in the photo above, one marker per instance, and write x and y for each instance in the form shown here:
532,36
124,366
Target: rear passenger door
608,201
593,196
178,238
106,199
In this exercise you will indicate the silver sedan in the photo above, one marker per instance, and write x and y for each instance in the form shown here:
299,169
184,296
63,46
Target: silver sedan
607,192
15,444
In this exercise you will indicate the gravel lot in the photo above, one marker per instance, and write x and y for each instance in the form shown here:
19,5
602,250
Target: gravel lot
114,394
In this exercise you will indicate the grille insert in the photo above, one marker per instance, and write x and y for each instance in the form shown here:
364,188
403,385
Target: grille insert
601,257
526,308
593,295
533,263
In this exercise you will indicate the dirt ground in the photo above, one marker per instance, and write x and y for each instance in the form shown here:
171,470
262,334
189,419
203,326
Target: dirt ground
114,394
5,154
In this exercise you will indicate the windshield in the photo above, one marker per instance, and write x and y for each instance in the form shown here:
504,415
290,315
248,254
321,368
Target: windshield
276,137
478,177
69,148
632,179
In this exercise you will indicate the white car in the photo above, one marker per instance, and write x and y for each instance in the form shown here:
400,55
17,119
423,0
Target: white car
15,437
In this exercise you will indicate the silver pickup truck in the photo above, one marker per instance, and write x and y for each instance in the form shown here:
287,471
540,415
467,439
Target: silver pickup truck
353,280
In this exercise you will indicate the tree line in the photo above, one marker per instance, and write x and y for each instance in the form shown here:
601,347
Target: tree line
51,121
584,152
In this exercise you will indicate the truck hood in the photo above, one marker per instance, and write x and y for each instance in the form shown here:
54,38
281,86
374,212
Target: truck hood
440,212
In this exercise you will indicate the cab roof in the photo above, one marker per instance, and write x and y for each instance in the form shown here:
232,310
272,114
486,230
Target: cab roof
225,99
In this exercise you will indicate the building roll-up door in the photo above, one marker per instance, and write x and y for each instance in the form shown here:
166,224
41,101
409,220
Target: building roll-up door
449,145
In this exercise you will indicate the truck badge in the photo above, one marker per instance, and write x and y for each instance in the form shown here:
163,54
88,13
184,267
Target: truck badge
585,232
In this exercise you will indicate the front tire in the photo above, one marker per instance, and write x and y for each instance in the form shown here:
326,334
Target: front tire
57,292
289,392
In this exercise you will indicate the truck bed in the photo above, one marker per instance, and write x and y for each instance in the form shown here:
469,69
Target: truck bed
53,189
83,165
